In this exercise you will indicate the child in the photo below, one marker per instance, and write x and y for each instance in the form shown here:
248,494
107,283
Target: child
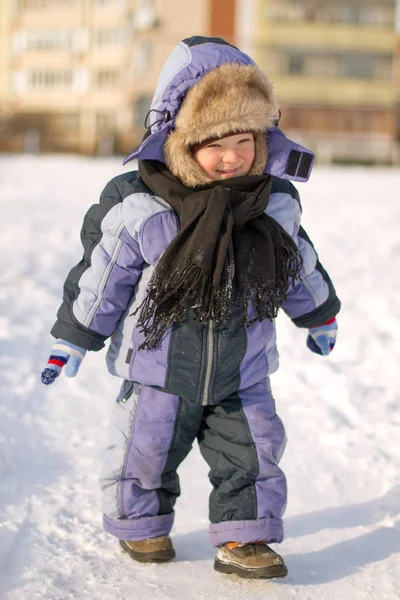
185,266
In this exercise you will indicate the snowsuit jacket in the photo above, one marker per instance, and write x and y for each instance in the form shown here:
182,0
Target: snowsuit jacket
123,237
203,381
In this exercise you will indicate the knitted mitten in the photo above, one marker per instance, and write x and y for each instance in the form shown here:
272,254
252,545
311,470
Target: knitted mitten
63,353
322,338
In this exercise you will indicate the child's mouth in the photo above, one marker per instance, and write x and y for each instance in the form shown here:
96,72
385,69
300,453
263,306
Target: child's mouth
227,171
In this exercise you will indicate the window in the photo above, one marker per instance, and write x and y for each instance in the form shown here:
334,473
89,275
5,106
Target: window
107,78
356,67
109,3
366,66
75,40
381,14
295,64
349,13
110,37
333,65
345,11
293,10
45,4
49,39
369,13
46,79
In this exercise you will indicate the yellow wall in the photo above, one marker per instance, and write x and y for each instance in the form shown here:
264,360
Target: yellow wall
334,92
84,99
397,66
271,37
5,15
335,36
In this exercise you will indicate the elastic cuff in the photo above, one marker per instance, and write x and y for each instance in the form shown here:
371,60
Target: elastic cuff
88,339
133,530
329,321
260,530
321,314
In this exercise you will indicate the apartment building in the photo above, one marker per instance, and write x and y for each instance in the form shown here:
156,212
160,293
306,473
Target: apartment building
333,68
78,75
397,67
82,72
5,17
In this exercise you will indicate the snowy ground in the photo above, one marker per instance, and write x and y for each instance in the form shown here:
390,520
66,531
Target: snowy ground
342,414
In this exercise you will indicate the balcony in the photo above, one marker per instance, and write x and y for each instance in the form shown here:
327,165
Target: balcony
329,36
334,92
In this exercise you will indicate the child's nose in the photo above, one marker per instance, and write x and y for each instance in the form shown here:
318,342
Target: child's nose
230,156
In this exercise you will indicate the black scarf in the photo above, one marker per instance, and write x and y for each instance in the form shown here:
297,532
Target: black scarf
226,249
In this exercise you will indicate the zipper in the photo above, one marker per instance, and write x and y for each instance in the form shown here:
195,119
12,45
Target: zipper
126,444
209,350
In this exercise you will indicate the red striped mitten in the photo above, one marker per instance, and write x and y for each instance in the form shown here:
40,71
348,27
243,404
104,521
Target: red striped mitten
322,338
63,353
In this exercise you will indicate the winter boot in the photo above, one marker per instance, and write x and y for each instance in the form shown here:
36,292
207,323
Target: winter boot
253,561
155,550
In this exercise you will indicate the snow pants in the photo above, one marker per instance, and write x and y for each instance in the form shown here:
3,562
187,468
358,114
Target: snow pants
242,440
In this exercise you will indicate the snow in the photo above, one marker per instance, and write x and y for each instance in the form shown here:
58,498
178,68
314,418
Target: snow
341,414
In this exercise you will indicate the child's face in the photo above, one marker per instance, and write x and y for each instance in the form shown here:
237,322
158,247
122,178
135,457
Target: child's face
228,157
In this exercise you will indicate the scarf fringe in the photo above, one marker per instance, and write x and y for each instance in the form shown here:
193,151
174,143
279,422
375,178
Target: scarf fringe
168,302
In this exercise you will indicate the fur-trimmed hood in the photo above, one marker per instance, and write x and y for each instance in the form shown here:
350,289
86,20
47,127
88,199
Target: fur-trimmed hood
229,99
190,63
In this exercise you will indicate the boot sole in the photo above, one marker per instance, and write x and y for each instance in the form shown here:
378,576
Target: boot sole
159,556
273,572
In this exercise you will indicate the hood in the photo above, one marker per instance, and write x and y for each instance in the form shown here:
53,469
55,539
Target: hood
187,64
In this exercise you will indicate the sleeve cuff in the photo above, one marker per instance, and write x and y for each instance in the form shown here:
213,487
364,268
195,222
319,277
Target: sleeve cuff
323,313
90,340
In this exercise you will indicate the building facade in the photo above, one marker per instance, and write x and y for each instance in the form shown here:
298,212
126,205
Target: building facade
78,75
5,49
397,67
333,66
82,72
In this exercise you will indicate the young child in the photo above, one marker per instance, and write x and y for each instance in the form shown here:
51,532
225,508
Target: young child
186,263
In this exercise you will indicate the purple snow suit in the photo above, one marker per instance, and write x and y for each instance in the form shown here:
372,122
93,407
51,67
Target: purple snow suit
204,382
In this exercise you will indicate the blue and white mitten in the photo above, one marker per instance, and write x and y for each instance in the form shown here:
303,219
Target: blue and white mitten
322,339
63,353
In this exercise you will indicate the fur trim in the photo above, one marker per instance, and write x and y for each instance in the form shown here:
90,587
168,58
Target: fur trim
229,99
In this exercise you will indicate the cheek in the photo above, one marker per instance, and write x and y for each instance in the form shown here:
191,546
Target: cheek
248,158
250,154
206,162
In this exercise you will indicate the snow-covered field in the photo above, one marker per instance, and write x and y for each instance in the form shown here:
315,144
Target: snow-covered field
342,414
